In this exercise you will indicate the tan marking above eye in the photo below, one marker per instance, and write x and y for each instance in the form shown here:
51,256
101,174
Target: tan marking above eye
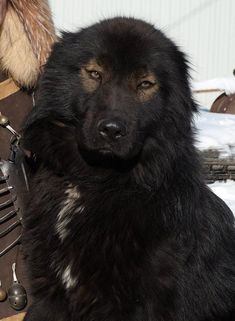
146,85
92,75
87,82
146,81
93,65
146,94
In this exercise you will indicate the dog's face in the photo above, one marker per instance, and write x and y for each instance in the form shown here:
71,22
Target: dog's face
121,83
113,122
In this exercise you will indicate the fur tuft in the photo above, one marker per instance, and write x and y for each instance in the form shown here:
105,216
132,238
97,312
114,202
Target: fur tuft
23,67
36,19
27,35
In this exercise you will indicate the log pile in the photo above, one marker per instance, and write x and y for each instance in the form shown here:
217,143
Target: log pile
217,168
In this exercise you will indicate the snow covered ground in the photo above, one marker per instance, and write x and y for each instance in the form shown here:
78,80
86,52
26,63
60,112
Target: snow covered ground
217,131
226,191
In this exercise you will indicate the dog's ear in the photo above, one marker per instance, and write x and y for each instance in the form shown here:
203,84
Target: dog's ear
45,133
36,132
49,141
53,98
182,78
176,71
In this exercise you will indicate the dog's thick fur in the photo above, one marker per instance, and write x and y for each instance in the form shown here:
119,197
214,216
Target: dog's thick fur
121,226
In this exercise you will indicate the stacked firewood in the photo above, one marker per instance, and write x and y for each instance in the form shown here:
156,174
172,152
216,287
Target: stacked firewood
217,168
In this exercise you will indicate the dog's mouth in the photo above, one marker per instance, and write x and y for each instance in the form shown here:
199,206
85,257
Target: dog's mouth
106,152
117,153
108,158
99,156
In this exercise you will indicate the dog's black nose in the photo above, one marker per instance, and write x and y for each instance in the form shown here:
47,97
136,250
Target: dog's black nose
111,129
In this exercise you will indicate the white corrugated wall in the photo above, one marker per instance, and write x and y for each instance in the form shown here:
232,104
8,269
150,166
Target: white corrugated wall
205,29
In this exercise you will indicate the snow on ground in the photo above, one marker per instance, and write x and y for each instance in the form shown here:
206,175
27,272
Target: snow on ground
217,131
226,191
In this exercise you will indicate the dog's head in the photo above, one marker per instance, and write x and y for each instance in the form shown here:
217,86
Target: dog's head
122,85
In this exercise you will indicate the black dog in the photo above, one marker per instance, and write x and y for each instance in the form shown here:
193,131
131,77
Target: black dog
121,226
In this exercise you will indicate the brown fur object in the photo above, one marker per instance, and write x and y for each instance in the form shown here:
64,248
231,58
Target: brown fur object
3,8
17,317
36,18
27,35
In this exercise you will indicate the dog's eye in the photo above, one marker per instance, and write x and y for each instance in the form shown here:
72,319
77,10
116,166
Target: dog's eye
145,84
94,74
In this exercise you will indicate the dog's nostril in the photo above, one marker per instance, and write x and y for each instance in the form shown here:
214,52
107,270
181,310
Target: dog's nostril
111,129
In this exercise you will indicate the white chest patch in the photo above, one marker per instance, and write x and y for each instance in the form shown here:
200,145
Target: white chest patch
67,279
65,214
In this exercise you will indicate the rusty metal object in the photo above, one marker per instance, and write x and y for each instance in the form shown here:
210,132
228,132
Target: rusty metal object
17,295
13,189
224,104
3,293
3,10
